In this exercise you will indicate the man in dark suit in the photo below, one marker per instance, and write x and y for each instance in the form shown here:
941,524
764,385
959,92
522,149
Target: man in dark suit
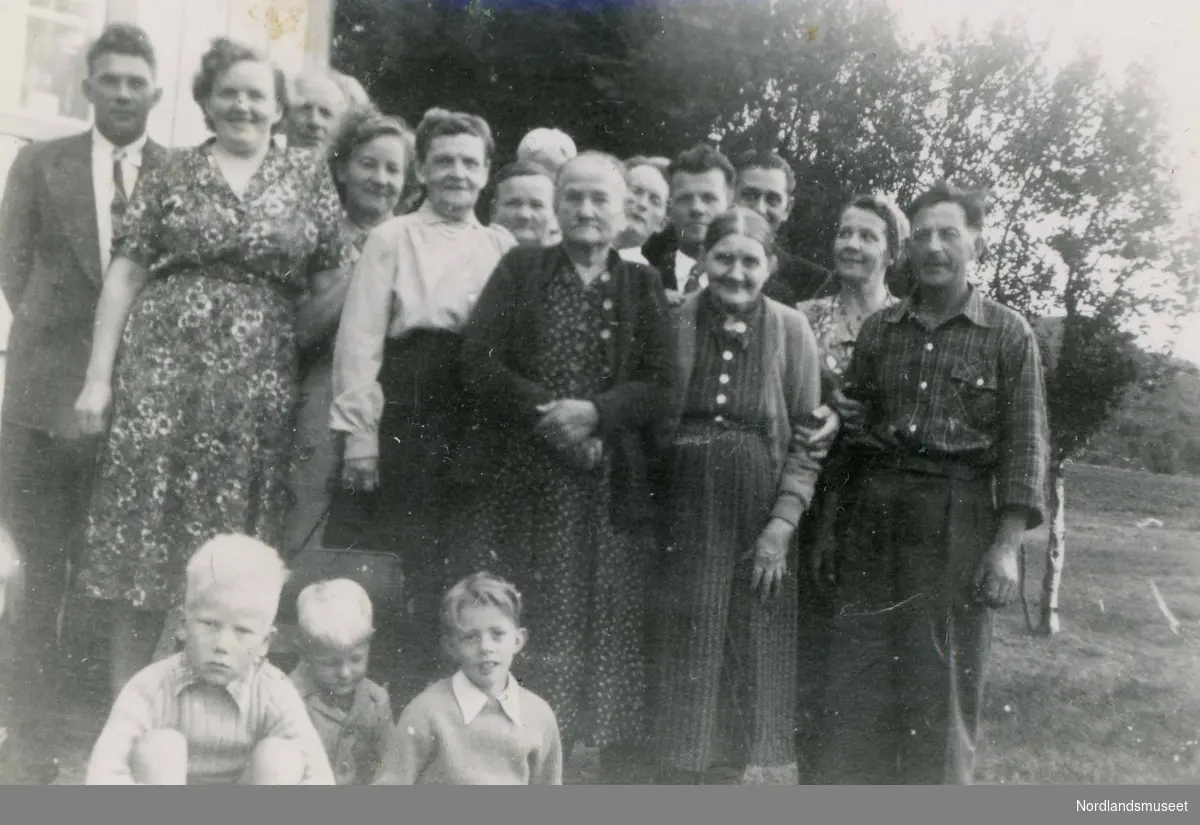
766,183
701,182
60,205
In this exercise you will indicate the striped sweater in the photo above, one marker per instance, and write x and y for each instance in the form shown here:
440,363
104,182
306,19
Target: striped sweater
222,725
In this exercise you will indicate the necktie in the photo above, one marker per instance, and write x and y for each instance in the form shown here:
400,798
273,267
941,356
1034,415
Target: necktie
120,196
693,280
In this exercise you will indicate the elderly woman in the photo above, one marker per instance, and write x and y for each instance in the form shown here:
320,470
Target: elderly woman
216,249
396,388
869,245
523,202
568,355
369,159
738,480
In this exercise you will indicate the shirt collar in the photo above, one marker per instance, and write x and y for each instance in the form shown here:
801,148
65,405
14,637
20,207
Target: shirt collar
431,217
132,151
972,309
312,697
472,700
731,328
238,689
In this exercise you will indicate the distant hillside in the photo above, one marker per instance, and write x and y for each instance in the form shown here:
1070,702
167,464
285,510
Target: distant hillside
1156,430
1156,427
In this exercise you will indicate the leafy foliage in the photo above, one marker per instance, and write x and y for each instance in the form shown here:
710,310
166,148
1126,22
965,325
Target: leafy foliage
1082,208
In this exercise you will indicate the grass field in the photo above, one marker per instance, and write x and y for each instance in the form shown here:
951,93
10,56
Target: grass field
1113,699
1115,696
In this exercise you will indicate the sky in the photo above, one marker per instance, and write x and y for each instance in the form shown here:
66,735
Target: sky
1165,33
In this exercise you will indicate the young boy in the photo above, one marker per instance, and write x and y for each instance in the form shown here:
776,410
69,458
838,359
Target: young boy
478,727
352,714
217,712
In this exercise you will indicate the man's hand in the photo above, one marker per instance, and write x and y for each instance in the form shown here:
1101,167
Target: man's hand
822,437
567,422
997,578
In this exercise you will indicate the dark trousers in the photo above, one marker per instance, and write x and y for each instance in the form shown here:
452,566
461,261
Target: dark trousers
909,645
45,489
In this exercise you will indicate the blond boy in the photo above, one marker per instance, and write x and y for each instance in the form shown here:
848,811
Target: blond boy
352,714
217,712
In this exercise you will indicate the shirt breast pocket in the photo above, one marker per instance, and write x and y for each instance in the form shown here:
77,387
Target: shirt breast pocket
975,390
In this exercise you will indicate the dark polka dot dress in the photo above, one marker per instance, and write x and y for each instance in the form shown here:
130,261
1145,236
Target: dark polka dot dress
545,525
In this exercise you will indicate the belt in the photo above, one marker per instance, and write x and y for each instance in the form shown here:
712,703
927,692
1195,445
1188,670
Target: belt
943,468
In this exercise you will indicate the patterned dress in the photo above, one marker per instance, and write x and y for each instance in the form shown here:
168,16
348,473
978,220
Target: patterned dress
546,527
727,682
204,384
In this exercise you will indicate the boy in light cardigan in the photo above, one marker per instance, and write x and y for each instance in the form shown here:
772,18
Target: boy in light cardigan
478,727
217,712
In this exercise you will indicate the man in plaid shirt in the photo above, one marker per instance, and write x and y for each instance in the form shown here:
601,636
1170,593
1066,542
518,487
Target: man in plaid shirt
949,429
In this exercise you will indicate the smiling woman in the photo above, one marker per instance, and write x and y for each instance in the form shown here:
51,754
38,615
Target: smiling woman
215,248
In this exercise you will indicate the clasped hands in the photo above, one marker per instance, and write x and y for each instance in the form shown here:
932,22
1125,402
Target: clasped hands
569,426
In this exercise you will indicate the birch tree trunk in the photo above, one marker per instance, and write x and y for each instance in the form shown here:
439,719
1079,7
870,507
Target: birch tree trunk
1055,548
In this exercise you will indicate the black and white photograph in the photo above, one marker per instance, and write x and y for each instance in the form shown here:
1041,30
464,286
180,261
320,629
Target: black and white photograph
601,392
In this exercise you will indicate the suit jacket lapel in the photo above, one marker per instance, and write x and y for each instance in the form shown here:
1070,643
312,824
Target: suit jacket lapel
69,183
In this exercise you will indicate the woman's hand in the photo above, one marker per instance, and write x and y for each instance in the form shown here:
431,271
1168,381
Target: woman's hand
567,422
770,558
93,406
361,475
674,297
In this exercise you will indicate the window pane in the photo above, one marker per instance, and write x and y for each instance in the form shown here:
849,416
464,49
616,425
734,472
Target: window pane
55,66
82,8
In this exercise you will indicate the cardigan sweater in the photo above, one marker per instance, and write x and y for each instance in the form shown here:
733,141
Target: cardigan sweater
500,340
791,389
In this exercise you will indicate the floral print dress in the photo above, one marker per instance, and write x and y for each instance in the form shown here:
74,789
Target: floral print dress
204,384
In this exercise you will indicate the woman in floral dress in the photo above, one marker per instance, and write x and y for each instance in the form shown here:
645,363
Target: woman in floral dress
194,349
868,249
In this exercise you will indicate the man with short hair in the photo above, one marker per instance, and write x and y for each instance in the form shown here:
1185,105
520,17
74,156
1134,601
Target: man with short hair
523,202
319,101
767,184
701,181
645,205
951,439
62,205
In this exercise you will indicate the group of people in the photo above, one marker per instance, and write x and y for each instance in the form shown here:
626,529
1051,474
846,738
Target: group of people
717,507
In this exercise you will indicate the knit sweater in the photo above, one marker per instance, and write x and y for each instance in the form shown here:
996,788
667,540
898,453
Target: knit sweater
432,743
222,725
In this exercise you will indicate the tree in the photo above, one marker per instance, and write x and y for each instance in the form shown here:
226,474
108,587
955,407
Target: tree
1082,232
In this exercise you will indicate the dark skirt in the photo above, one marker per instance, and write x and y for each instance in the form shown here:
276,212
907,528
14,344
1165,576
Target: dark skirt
408,513
726,691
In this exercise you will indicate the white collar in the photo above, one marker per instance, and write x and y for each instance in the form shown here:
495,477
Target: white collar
472,700
634,254
683,257
132,151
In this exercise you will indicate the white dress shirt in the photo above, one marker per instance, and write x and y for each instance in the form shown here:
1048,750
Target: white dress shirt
105,188
683,270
